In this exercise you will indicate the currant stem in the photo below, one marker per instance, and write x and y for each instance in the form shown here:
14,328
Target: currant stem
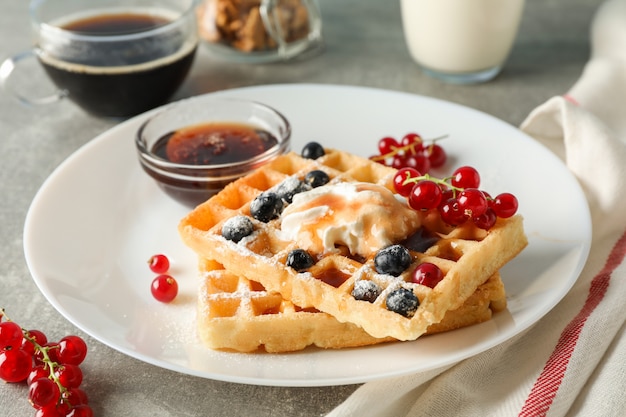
438,138
439,181
48,363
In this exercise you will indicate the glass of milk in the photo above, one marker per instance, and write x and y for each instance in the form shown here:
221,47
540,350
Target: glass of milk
461,41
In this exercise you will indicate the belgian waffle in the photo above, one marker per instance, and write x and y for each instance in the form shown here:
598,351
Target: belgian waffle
468,256
237,314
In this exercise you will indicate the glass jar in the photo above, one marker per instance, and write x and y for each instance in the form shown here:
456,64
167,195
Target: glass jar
259,31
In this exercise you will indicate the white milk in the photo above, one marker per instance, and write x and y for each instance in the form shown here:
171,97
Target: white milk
461,36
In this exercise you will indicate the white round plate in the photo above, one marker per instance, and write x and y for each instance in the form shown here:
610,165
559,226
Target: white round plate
98,218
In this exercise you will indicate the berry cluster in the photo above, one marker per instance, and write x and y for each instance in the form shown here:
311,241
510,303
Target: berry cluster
394,260
411,152
457,198
269,204
164,287
50,369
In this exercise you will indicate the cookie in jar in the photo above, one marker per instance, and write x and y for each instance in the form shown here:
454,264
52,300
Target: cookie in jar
260,30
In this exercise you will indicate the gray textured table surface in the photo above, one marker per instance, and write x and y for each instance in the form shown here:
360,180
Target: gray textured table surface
364,46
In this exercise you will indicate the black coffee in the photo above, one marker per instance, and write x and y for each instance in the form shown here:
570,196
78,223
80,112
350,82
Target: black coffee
105,82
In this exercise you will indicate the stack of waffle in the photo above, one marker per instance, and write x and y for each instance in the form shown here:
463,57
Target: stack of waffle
252,299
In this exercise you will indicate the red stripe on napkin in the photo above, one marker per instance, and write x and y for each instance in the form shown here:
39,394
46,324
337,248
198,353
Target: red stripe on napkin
570,99
543,392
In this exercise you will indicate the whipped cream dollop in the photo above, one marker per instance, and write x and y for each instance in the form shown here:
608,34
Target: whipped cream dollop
363,217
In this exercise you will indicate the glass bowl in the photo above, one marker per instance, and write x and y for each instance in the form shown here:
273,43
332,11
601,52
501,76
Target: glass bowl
195,147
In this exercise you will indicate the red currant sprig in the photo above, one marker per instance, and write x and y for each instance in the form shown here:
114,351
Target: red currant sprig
51,370
457,198
411,152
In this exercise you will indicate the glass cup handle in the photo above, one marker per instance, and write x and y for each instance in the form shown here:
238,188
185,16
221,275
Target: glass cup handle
6,69
269,11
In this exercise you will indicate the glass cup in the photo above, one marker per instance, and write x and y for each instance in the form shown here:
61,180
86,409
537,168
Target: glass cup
260,31
461,41
114,58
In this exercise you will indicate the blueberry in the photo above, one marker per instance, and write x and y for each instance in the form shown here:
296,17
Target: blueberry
236,228
313,150
290,187
365,290
266,206
316,178
403,302
421,240
300,260
392,260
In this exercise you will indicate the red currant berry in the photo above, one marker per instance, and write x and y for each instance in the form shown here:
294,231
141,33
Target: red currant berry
15,365
164,288
398,161
50,411
420,162
472,201
159,264
451,213
425,195
505,205
486,220
63,407
399,180
75,396
70,376
81,410
39,338
436,155
10,335
387,145
427,274
43,392
72,350
37,372
413,143
465,177
447,193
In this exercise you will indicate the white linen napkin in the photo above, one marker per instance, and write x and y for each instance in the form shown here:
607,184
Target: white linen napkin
572,362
